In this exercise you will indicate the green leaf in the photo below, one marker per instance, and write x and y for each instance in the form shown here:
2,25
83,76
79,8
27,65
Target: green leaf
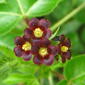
62,10
8,40
56,65
79,81
7,61
73,36
7,23
5,51
33,82
75,68
4,68
13,11
9,17
69,27
18,77
63,82
80,16
42,7
82,34
2,1
28,68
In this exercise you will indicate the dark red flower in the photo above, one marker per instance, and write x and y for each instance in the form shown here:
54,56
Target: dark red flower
38,29
63,48
43,52
23,48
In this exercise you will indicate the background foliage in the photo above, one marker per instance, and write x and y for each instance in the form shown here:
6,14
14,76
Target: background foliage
15,71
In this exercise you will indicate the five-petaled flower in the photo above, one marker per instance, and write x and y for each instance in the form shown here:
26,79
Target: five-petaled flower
63,47
43,52
38,29
23,48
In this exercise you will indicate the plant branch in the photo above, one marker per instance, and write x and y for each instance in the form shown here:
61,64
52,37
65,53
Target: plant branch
67,17
54,33
58,75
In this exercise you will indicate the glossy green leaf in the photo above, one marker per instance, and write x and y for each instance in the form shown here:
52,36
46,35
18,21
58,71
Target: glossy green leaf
33,82
13,11
7,63
8,40
69,27
7,23
79,81
75,68
42,7
62,10
80,16
9,17
18,77
2,1
73,36
5,51
28,68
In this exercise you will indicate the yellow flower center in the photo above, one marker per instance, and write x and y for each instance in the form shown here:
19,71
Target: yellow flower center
43,51
64,48
38,33
26,46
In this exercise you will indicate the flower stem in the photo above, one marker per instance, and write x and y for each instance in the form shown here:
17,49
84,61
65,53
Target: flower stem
50,79
54,33
67,17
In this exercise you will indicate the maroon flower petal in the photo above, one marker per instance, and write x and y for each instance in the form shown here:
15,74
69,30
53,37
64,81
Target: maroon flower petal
35,49
58,48
44,23
53,50
62,38
33,22
27,32
18,51
67,43
27,56
63,59
19,41
48,33
35,44
45,42
41,43
49,61
36,60
65,56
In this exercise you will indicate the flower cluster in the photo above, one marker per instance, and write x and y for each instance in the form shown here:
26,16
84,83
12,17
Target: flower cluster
35,42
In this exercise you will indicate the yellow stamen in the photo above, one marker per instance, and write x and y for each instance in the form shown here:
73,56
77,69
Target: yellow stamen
38,33
43,51
26,46
64,48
